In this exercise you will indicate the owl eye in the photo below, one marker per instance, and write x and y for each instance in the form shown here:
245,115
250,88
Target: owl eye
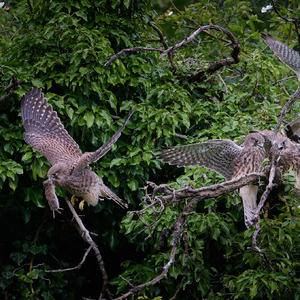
54,175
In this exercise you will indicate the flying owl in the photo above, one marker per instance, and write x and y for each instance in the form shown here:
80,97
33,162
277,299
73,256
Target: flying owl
70,167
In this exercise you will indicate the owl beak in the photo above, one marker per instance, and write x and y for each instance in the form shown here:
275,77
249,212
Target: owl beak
280,148
260,145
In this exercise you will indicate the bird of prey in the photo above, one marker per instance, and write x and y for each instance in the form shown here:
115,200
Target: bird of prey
289,153
70,167
287,55
226,158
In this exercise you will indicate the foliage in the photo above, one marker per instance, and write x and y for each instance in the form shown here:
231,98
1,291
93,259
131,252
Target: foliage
61,46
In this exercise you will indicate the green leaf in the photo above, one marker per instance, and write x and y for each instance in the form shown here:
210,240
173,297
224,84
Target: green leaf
253,291
33,274
89,118
18,257
116,162
133,184
215,232
81,14
112,100
13,183
127,3
37,82
27,156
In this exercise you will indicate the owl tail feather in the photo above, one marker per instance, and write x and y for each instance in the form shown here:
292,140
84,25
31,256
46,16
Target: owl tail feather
107,193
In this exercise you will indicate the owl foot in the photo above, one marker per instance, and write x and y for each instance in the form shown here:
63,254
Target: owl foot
81,204
73,200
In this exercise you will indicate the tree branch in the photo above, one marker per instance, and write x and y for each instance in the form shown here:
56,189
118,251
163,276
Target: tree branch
9,89
74,268
162,40
178,226
85,234
128,50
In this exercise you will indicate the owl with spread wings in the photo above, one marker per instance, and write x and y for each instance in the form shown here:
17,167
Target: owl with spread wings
70,167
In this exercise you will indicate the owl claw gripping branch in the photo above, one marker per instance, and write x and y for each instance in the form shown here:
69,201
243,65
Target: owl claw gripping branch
70,168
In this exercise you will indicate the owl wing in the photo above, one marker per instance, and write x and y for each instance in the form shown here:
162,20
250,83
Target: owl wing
43,129
287,55
89,157
292,130
217,155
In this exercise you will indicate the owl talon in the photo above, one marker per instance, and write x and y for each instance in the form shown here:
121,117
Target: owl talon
73,200
57,210
81,204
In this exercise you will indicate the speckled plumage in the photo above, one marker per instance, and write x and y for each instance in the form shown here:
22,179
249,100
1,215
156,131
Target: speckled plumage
70,168
289,153
287,55
226,158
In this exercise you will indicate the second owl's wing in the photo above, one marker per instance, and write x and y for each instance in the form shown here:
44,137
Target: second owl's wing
89,157
217,155
287,55
43,129
292,130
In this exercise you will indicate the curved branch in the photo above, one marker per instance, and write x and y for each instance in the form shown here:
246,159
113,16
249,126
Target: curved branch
193,35
162,40
73,268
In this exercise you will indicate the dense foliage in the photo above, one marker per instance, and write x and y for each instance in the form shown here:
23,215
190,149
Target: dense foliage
62,46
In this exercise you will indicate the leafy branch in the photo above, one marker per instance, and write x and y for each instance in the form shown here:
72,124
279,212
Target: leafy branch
192,196
234,59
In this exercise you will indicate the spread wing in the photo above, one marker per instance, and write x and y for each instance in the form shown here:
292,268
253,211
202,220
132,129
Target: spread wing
292,130
287,55
217,155
89,157
43,129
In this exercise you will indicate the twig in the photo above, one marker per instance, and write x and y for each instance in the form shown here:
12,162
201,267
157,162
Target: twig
226,90
87,238
294,21
178,228
128,50
9,89
74,268
162,40
193,35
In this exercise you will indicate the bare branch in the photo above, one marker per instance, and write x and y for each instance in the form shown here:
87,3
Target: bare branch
85,234
128,50
162,40
193,35
294,21
74,268
9,89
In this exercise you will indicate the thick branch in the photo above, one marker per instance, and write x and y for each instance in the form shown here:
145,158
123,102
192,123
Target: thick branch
206,192
179,225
